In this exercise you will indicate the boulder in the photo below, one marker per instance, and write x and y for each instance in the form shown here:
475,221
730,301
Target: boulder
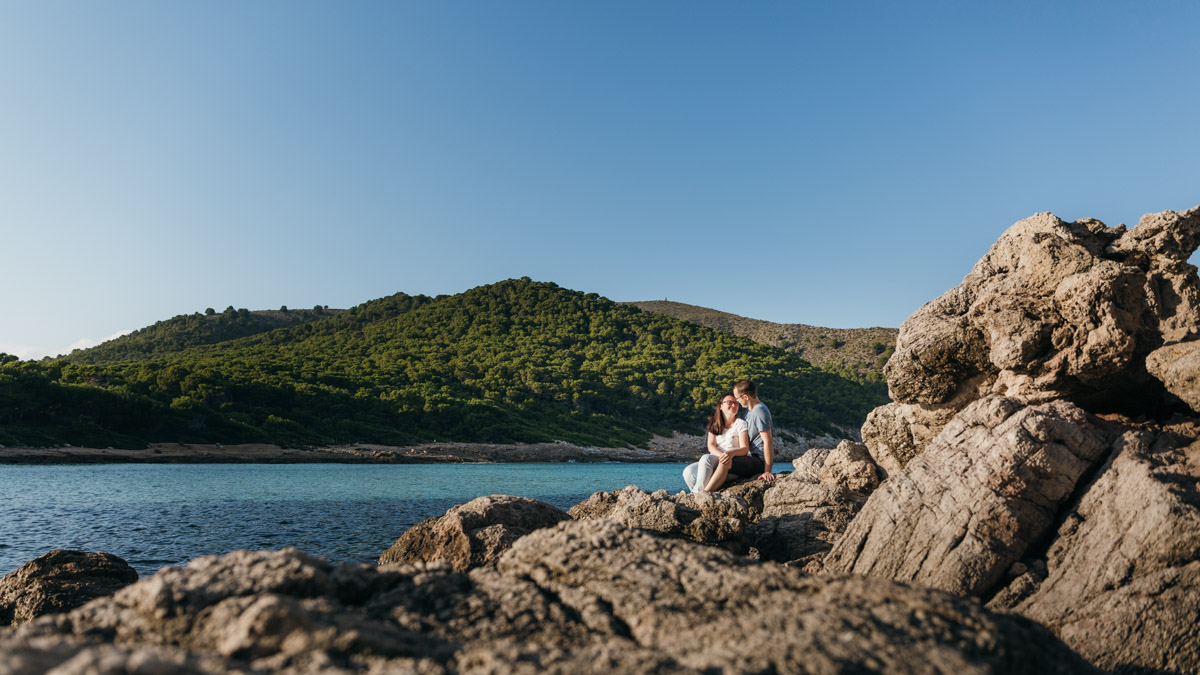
581,597
716,518
58,581
1121,581
849,465
1055,310
962,512
472,534
1177,366
805,512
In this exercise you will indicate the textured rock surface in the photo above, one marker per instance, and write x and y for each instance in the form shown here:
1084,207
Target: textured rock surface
58,581
963,511
849,465
1122,579
1178,367
581,597
716,518
472,534
1054,310
804,513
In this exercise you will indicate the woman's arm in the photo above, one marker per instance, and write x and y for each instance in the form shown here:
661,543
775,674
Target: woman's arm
712,445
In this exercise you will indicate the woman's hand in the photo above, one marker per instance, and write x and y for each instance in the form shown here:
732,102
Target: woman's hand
726,458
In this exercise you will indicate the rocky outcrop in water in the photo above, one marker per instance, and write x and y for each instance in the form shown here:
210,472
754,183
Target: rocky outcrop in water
472,534
581,597
1034,451
59,581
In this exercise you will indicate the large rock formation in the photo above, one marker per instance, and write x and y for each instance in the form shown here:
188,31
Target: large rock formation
472,534
1055,310
59,581
1022,466
582,597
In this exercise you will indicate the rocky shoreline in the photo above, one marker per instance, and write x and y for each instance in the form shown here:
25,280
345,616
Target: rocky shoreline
676,448
1030,502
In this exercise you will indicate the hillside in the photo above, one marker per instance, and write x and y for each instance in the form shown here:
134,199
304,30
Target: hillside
856,353
194,330
513,361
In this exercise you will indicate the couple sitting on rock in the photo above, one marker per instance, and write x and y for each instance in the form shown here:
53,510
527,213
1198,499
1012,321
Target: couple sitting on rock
741,445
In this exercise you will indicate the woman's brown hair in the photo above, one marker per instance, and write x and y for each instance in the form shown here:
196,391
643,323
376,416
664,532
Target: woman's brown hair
716,423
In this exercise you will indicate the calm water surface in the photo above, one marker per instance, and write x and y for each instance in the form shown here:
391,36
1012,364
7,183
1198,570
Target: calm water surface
166,514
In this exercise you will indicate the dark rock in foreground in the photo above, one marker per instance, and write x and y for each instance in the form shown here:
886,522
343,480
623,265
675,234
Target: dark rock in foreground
59,581
472,534
581,597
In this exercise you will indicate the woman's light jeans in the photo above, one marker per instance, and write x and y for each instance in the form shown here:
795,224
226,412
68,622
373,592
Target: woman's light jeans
697,473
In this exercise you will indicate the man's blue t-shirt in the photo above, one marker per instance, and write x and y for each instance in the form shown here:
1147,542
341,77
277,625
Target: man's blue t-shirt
758,419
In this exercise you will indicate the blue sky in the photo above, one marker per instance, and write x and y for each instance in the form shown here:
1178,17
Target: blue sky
830,163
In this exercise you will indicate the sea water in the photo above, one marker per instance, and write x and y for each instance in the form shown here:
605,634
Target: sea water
166,514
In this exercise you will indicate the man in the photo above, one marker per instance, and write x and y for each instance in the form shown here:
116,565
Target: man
758,419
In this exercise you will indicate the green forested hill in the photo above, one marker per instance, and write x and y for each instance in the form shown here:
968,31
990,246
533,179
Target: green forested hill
513,361
856,353
193,330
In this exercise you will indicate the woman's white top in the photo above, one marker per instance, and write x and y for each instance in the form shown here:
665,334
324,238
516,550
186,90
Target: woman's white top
728,440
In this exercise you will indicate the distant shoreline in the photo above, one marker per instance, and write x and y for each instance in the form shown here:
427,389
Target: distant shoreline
679,448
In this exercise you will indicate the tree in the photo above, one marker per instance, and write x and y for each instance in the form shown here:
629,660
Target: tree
210,311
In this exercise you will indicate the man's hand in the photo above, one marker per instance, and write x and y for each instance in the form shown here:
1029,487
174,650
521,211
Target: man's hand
768,476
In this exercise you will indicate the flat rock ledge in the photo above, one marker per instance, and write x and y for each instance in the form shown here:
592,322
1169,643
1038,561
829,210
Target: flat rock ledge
580,597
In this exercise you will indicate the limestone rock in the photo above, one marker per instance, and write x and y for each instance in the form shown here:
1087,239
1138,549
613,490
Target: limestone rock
896,432
673,597
1122,578
803,518
1178,367
581,597
714,518
851,466
58,581
963,511
1054,310
472,534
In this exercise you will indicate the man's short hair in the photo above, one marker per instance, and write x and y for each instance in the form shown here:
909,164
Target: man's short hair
745,387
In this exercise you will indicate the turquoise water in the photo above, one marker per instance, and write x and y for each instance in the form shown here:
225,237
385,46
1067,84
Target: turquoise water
166,514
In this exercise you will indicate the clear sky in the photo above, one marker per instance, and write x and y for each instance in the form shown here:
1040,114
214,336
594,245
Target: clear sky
829,163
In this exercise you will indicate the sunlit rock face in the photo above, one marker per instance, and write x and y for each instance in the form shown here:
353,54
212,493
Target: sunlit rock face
1055,310
1042,452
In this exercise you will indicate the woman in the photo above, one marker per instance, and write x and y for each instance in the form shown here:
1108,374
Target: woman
728,437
